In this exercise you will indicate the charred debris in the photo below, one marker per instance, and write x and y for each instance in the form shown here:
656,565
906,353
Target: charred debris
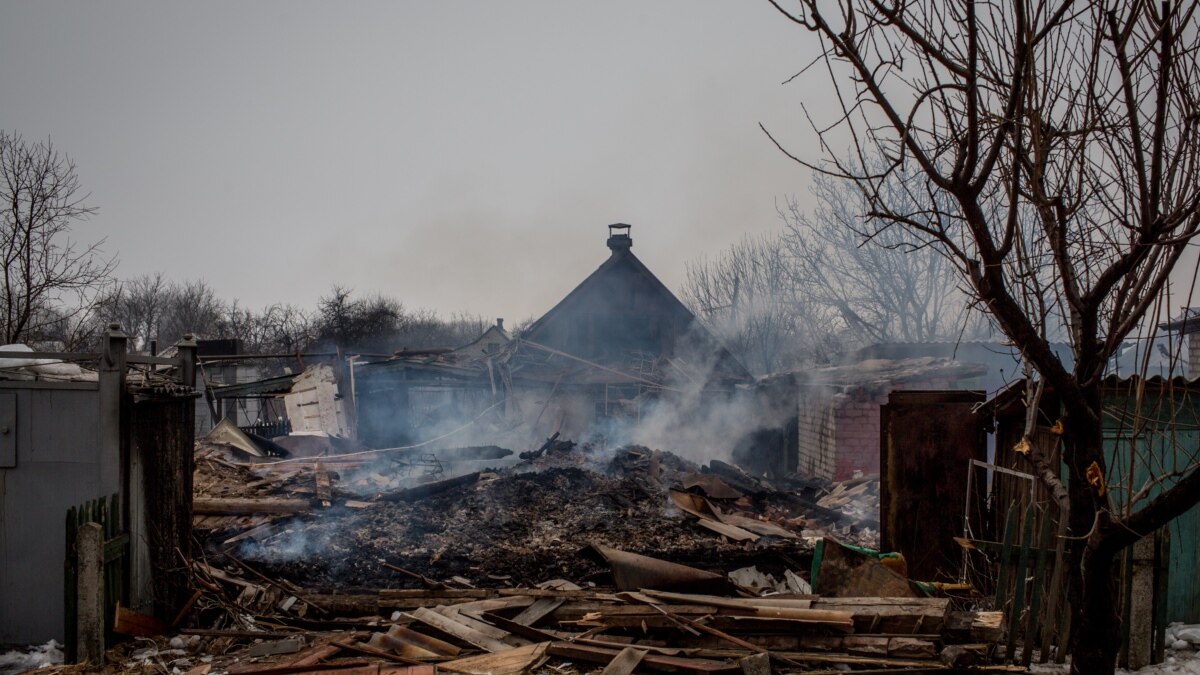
569,559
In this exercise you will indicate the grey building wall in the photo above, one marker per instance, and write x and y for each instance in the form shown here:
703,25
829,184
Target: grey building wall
59,462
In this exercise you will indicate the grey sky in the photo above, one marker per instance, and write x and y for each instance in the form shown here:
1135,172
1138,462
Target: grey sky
459,156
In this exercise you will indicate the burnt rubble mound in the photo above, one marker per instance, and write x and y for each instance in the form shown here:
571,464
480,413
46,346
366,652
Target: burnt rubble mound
519,525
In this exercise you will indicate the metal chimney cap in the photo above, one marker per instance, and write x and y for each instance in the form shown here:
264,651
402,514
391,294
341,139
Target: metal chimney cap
619,239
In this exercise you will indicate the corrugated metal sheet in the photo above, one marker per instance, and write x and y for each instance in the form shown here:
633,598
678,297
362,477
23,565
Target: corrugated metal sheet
1166,437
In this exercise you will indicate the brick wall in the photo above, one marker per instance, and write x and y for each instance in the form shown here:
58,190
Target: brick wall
857,426
816,441
857,434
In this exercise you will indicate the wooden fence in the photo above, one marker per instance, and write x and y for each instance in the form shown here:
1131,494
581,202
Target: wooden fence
114,557
1031,588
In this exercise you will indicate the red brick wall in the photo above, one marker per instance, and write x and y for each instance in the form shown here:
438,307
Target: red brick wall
857,435
857,427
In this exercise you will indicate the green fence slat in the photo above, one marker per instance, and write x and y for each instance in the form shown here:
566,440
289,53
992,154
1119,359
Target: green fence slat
1035,600
69,614
1010,527
1018,604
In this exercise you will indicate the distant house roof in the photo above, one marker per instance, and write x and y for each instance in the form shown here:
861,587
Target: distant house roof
483,345
622,308
1188,321
1013,396
877,374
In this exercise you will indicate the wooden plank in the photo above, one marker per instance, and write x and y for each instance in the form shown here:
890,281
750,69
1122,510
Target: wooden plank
690,666
625,662
438,597
476,607
891,615
458,630
422,641
510,662
538,610
570,594
248,634
736,603
847,659
350,645
315,655
258,533
430,489
832,617
244,506
324,485
480,626
528,632
136,624
865,646
344,668
621,642
911,648
385,641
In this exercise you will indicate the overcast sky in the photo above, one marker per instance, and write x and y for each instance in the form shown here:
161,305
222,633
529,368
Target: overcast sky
459,156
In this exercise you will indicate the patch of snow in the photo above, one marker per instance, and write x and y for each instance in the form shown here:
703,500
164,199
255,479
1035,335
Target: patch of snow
31,658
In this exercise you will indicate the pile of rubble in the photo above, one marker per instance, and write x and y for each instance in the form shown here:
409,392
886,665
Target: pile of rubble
566,559
519,525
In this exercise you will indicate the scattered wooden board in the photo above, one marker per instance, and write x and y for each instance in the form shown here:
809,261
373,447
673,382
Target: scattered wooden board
510,662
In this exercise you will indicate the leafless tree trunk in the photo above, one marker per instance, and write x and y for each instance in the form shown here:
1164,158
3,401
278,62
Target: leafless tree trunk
1060,143
47,277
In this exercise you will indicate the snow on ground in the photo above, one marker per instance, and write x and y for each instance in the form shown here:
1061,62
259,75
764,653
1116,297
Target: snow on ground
1183,641
30,658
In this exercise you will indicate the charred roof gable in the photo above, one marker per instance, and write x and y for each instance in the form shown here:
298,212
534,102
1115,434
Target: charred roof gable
623,308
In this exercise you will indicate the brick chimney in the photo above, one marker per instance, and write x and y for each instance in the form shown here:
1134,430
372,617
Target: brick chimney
618,238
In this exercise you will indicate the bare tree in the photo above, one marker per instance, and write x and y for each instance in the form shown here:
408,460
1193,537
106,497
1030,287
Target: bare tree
48,278
749,298
278,329
881,286
1059,143
362,324
139,305
192,307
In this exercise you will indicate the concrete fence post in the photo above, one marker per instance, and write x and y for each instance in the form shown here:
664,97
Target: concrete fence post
1141,604
89,604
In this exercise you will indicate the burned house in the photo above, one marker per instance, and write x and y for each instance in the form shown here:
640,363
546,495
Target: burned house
603,356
